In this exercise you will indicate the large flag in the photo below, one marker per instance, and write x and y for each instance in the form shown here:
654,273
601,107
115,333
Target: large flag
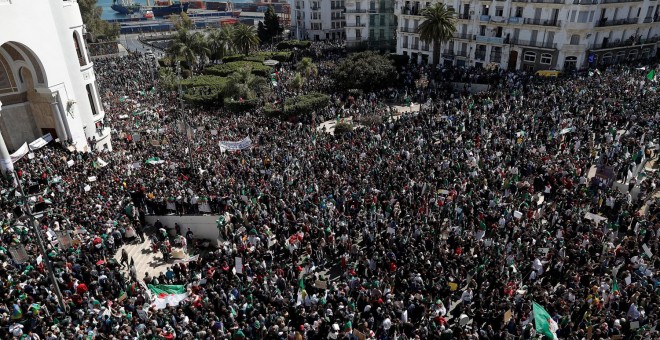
167,295
544,323
615,287
651,75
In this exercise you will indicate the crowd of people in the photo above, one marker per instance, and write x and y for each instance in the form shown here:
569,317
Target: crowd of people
443,223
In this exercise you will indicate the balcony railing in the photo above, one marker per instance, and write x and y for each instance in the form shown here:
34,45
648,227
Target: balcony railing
529,43
585,2
415,46
408,29
464,16
355,24
315,8
463,36
462,53
495,57
618,22
480,55
484,18
542,22
624,43
425,48
491,40
515,20
356,11
411,11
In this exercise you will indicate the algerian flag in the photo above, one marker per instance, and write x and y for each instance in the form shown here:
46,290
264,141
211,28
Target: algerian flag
651,75
167,295
154,160
544,323
615,287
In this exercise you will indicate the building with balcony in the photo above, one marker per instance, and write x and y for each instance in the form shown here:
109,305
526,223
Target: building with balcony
370,24
47,81
318,20
536,34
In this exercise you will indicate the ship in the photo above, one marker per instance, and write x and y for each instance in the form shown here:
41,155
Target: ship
125,7
165,8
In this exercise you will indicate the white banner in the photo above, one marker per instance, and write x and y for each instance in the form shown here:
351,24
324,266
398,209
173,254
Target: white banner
244,143
238,265
41,142
22,151
190,259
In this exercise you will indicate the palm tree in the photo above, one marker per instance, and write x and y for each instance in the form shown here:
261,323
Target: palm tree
182,47
306,67
244,38
219,42
438,26
244,84
199,45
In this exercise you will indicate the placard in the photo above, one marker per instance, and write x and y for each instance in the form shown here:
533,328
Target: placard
238,265
91,179
70,163
647,250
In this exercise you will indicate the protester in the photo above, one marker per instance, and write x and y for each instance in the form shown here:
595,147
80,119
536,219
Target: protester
444,223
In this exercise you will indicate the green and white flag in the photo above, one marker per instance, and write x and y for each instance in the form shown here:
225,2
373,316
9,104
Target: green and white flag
651,75
544,323
164,295
154,160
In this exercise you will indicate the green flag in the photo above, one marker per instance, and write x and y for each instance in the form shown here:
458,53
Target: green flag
544,323
301,284
615,287
651,75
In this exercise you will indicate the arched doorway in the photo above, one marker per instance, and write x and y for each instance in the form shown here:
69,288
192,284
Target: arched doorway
29,109
513,60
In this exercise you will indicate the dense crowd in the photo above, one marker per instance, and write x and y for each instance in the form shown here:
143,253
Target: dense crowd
443,223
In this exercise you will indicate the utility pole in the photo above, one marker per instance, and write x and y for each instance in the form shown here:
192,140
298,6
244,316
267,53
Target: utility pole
35,227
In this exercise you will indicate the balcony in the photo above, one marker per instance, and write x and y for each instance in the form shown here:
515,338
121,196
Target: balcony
463,36
515,20
356,11
529,43
480,55
464,17
485,18
355,24
618,22
490,40
626,43
542,22
404,44
411,11
425,48
495,57
462,54
408,29
315,8
414,47
585,2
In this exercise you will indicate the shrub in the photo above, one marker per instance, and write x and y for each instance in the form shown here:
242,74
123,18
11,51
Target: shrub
241,106
343,127
259,57
400,60
305,104
204,89
207,81
291,44
224,70
365,70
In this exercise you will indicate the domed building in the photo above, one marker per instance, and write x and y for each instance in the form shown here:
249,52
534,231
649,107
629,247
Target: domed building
47,81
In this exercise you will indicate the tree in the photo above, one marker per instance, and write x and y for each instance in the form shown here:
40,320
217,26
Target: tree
438,26
365,70
307,67
244,84
219,42
91,16
182,21
182,47
269,28
297,81
244,38
199,45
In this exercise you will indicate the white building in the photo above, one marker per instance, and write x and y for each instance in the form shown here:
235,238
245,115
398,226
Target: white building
318,19
370,24
47,82
537,34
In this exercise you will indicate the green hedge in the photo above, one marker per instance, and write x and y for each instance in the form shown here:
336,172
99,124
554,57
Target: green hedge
238,106
224,70
204,81
343,127
300,105
204,89
259,57
290,44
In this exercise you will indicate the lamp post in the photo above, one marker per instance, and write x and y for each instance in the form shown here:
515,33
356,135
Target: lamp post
42,249
183,116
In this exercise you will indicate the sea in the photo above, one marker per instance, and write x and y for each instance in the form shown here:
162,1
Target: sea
108,13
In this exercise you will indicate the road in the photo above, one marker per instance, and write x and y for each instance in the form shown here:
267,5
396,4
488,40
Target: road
131,43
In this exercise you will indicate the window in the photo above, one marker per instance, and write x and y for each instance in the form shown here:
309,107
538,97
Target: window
91,99
79,52
620,56
382,20
381,33
646,52
499,11
530,57
546,58
632,55
575,39
582,16
570,63
405,41
607,58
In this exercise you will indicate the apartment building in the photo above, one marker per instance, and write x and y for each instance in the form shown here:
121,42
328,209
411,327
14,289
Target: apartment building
318,19
371,24
536,34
